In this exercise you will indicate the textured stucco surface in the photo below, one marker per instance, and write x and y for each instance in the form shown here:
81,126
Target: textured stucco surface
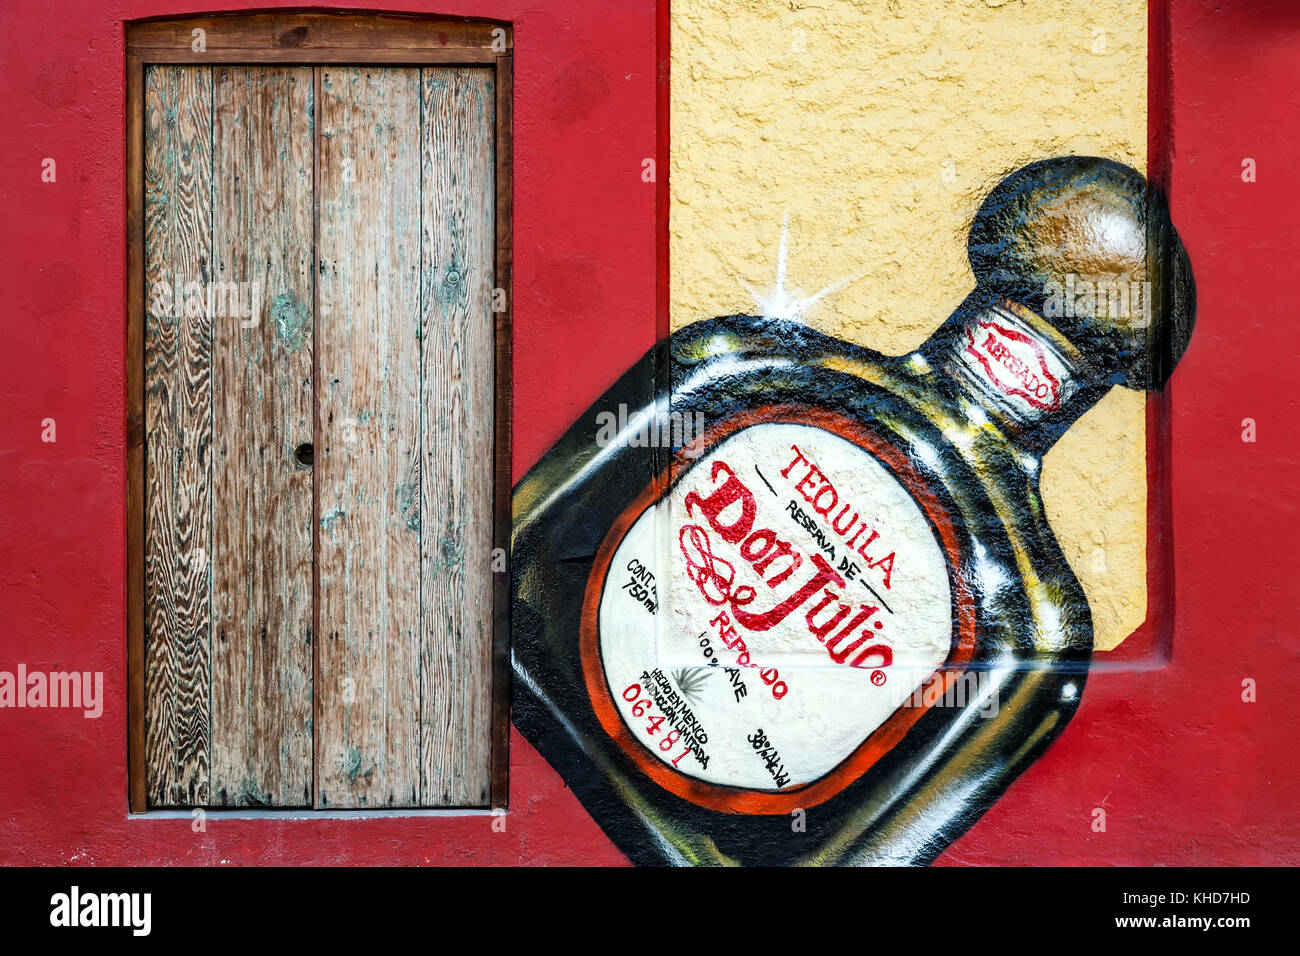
876,127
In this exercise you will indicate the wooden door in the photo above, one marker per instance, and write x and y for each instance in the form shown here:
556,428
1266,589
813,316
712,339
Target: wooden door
319,409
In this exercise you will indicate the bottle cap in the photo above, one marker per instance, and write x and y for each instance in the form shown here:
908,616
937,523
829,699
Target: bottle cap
1087,244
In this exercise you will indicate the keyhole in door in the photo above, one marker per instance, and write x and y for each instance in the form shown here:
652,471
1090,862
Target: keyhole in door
305,454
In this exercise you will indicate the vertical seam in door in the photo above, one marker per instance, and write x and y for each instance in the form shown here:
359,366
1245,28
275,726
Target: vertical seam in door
421,796
316,114
212,405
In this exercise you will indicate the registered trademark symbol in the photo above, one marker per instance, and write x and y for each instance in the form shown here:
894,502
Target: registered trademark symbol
877,677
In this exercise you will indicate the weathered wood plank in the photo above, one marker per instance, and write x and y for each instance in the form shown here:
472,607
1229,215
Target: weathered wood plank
316,33
367,465
262,382
336,56
456,409
178,418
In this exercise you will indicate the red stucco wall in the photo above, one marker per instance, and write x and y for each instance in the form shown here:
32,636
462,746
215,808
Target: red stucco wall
1187,772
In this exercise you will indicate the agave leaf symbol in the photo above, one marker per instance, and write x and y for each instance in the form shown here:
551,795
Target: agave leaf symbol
690,681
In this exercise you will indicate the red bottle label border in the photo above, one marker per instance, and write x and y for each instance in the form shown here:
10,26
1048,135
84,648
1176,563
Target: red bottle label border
880,741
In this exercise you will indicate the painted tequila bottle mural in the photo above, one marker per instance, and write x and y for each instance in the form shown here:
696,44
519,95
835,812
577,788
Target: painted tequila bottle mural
832,625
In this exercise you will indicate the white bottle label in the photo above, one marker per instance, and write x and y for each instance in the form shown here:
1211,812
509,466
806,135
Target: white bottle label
757,625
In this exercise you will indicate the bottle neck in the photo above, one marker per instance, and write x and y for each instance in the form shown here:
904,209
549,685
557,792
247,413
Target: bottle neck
1017,368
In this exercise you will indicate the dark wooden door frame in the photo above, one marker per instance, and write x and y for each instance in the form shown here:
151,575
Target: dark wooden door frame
315,39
